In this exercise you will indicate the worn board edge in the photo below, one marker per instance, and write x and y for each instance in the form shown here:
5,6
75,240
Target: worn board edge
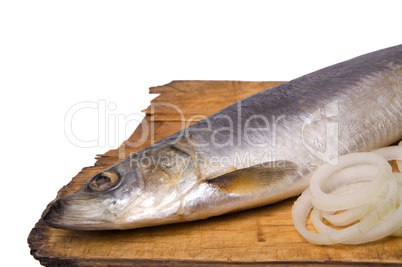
54,261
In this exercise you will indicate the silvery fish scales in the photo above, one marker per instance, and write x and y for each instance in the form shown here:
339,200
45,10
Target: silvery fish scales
257,151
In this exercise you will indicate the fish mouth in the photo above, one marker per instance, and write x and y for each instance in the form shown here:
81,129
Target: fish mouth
54,214
58,216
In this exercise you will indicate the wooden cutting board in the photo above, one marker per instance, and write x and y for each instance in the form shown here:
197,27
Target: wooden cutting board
259,236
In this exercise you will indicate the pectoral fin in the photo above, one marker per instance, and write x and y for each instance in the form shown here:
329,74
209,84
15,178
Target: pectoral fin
255,178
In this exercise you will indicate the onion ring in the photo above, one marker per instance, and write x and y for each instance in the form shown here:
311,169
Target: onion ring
364,187
329,202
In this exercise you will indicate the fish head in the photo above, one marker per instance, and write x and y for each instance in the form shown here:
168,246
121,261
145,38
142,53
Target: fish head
143,190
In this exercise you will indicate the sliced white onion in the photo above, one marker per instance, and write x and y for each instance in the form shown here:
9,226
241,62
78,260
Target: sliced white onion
300,211
399,162
394,153
384,227
398,177
390,152
349,179
333,202
364,186
347,217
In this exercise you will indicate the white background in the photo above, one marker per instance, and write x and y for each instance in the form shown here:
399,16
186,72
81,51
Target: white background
55,54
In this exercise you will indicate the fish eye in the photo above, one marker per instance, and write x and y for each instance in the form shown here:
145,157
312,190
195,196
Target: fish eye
103,181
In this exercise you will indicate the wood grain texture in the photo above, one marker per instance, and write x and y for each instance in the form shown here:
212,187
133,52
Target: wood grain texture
261,236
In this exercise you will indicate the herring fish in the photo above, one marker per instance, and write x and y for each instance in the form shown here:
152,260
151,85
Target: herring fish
257,151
